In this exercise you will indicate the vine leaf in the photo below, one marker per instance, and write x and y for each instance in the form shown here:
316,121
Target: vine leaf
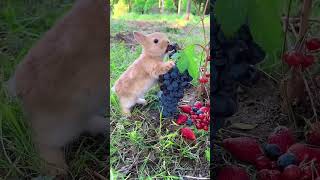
188,61
182,63
231,14
264,23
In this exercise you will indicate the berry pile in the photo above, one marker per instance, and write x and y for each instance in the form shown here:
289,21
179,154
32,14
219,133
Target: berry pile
198,115
233,64
280,158
172,86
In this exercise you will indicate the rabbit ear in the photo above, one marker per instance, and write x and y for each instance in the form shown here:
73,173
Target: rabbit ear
139,37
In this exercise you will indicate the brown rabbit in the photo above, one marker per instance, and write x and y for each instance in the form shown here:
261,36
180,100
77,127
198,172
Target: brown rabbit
62,81
144,72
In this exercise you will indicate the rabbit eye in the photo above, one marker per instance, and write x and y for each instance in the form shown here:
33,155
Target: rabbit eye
156,41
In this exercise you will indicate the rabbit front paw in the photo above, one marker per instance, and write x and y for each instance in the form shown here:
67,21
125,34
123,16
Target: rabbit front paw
169,65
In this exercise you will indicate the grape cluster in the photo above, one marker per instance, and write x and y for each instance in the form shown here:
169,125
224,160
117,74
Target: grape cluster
172,86
233,64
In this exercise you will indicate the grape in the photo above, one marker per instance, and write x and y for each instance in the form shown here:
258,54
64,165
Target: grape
233,64
172,86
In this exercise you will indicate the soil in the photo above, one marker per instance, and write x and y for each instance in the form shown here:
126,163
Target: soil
260,108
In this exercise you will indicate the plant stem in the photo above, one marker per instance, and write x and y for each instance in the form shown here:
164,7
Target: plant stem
285,37
306,10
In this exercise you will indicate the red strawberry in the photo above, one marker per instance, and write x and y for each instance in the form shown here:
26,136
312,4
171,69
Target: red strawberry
267,174
233,173
313,135
205,109
306,173
205,128
313,44
307,61
293,58
208,104
263,162
243,148
194,116
198,104
187,133
186,108
203,80
274,165
291,172
303,151
198,126
201,116
182,118
282,137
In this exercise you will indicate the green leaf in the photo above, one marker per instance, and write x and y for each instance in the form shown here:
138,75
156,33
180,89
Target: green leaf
264,22
207,154
231,14
183,62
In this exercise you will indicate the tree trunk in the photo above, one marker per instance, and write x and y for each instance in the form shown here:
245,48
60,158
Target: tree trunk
188,10
162,7
179,6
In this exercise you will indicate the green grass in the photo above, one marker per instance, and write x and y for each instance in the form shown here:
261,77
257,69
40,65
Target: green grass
21,24
147,146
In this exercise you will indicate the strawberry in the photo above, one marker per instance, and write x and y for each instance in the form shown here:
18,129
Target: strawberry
194,117
198,104
201,116
208,75
274,165
313,44
293,58
208,104
243,148
306,173
263,162
187,133
205,128
267,174
233,173
205,109
203,80
186,108
303,151
282,137
313,135
292,172
198,126
182,118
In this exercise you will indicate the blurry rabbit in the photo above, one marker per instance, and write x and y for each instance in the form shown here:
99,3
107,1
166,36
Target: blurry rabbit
62,81
144,72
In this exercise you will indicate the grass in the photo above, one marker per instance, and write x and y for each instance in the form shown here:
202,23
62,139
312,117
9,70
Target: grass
21,24
147,146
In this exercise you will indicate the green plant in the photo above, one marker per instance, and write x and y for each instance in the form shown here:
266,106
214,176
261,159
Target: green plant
138,6
150,4
263,18
169,6
120,9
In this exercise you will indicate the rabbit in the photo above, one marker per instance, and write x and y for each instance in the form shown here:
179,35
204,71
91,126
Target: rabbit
62,82
144,72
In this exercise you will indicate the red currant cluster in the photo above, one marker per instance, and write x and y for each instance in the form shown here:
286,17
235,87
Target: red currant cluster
198,115
205,76
298,59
